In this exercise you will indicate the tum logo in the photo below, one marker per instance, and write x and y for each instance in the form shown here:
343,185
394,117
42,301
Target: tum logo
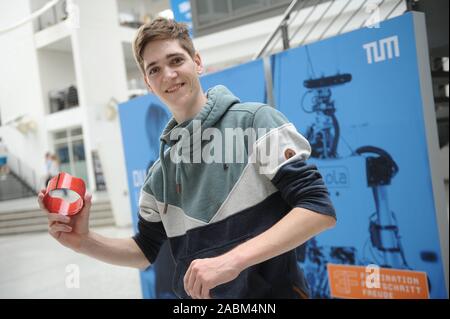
378,51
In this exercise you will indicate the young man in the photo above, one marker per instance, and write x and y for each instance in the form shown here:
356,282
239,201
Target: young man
232,225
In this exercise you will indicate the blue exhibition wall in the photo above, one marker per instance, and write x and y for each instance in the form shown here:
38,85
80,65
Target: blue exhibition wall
357,99
364,120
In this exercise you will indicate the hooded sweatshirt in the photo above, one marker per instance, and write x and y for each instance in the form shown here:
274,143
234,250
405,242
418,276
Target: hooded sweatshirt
223,178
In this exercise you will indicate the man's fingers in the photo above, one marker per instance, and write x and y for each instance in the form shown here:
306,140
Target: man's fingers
191,279
55,228
41,201
58,218
87,203
196,289
186,280
205,292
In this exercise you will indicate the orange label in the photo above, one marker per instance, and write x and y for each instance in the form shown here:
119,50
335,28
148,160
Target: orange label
373,282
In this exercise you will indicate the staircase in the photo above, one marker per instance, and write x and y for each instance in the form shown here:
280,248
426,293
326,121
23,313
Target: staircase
12,187
31,219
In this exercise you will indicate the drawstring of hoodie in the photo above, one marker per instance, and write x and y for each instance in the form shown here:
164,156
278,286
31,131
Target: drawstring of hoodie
178,178
164,173
219,101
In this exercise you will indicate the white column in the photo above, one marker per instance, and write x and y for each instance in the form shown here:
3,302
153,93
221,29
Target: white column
101,75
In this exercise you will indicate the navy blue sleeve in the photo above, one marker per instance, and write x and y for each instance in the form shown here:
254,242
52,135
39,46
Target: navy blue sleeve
301,185
149,238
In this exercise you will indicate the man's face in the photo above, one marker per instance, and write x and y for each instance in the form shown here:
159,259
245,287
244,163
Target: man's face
172,74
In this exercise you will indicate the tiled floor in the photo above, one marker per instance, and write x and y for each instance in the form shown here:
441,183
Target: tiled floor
37,266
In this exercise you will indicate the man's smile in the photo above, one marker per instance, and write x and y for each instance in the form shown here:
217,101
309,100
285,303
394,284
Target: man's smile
174,88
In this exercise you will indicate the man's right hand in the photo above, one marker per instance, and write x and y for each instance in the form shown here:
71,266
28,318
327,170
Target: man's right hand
68,230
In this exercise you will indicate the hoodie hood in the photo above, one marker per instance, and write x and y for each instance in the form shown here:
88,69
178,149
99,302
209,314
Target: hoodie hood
219,100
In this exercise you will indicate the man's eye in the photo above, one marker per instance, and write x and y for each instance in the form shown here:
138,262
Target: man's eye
177,60
153,71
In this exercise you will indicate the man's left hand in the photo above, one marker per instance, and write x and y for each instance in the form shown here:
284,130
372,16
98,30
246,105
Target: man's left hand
205,274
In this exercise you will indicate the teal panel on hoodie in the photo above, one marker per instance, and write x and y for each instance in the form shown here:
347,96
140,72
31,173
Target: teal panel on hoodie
204,187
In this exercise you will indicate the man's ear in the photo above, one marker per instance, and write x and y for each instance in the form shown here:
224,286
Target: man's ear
198,63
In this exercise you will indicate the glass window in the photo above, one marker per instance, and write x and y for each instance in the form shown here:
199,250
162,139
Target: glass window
220,7
79,160
276,2
63,99
60,135
215,15
239,6
212,10
69,148
76,131
62,151
63,156
78,151
203,7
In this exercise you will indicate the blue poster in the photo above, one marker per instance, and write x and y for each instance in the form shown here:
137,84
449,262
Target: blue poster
246,81
356,98
142,120
182,12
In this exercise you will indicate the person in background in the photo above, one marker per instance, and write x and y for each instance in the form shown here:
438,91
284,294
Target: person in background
4,169
51,166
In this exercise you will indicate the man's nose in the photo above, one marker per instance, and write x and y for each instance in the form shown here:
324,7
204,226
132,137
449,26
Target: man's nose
170,73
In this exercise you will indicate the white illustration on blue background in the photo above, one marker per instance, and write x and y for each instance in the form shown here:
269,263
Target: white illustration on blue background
363,116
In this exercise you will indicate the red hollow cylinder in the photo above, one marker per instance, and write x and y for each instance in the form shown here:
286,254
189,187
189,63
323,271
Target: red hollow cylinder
58,205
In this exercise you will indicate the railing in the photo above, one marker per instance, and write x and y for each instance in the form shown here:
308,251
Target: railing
306,21
51,17
24,174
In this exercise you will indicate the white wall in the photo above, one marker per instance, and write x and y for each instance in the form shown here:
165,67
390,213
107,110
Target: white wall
20,87
100,73
58,121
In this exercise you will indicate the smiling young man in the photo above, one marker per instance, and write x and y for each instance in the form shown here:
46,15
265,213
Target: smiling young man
232,226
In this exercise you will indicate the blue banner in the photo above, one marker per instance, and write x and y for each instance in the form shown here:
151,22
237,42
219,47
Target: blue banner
357,99
182,12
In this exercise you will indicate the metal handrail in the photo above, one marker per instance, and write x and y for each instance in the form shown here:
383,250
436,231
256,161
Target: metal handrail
282,23
287,21
23,172
299,8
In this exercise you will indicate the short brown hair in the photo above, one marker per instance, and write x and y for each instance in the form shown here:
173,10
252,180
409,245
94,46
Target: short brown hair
161,29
